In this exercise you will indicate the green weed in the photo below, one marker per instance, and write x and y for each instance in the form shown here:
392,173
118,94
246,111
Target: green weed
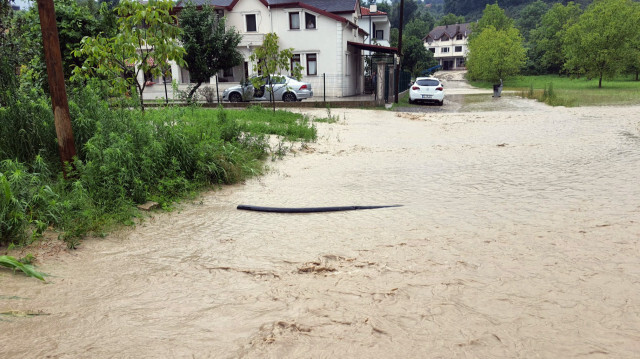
125,157
14,264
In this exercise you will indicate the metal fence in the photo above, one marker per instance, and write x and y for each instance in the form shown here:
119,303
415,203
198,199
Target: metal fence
325,86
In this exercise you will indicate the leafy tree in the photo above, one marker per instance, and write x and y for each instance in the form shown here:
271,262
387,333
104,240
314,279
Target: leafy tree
634,58
528,20
547,39
74,23
463,7
426,16
9,59
146,40
111,4
383,6
450,19
417,28
209,46
269,60
495,54
598,43
393,37
415,57
492,16
530,17
410,11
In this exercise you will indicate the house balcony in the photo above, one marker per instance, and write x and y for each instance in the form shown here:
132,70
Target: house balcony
251,39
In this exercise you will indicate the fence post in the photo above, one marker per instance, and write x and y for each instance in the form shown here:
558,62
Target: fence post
393,86
380,84
324,87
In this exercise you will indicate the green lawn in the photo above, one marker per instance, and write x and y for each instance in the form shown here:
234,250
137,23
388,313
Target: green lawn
573,92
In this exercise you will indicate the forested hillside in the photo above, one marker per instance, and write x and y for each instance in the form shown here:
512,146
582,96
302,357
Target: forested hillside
472,9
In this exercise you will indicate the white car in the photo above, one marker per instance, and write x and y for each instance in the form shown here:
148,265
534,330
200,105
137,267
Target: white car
427,89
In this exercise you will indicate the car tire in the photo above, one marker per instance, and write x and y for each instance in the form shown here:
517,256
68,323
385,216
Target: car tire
289,97
410,101
440,103
235,97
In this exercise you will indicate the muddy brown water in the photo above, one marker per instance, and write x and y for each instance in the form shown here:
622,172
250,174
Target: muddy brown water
518,238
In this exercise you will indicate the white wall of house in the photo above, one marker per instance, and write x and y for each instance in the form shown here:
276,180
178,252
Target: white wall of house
374,23
453,49
326,41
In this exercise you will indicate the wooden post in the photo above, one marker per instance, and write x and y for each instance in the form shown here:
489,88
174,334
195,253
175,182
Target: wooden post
397,72
59,103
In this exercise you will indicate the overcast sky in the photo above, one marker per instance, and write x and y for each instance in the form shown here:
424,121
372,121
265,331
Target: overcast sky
24,4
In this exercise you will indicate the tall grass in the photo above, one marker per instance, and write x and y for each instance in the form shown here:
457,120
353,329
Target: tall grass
124,158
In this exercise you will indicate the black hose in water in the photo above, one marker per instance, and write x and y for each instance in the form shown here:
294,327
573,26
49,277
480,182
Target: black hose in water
309,209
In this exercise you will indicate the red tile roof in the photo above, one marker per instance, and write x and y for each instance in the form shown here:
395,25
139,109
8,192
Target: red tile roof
366,12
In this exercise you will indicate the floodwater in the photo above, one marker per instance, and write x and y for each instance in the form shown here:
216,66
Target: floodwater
518,237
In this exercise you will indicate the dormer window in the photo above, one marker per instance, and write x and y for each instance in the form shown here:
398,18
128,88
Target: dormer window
294,20
250,21
459,37
444,38
310,20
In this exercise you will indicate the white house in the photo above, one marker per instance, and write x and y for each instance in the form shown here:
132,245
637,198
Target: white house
321,32
376,24
449,44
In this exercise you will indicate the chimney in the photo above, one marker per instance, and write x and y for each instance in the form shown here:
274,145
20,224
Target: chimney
373,8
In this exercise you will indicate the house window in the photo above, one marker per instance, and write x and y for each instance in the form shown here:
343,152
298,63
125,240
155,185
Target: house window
432,49
219,13
251,22
312,64
379,34
444,49
228,72
294,21
458,49
295,62
444,38
459,37
310,20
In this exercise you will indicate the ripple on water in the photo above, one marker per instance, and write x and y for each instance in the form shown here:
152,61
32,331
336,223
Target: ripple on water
518,237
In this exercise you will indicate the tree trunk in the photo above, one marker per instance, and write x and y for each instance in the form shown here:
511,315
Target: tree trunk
193,90
166,96
59,102
273,98
600,82
140,92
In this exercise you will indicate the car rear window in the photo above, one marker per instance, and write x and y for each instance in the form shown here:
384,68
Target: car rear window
428,82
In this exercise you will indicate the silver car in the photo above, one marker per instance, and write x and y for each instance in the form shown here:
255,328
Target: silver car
285,89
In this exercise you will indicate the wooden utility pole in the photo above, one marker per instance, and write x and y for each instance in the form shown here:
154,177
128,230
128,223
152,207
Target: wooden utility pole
397,72
59,103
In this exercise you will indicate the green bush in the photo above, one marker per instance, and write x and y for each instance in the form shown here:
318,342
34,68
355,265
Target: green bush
124,157
27,128
28,205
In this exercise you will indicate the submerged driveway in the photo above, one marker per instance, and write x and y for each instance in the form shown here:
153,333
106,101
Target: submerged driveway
518,238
